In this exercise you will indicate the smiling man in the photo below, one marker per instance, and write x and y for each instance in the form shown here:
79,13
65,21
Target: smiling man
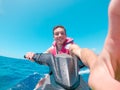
62,44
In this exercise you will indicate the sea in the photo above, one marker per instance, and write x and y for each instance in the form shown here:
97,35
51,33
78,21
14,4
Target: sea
13,71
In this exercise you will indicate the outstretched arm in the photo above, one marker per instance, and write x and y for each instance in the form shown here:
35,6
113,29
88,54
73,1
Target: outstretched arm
87,56
107,67
112,44
41,58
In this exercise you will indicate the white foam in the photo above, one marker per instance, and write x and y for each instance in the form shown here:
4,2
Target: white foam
87,71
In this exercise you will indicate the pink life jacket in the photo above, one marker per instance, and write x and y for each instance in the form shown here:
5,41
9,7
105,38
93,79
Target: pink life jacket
65,47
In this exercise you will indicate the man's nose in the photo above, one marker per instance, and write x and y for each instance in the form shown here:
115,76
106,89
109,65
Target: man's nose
60,34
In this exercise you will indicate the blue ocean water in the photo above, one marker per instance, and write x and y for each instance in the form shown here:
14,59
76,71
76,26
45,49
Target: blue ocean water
14,70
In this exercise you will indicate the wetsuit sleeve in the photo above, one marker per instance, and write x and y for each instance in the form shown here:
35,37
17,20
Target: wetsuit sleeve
42,58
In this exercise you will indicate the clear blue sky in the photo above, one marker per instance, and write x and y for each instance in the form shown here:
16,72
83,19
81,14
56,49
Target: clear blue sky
26,25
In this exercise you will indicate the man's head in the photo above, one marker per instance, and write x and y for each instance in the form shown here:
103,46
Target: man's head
59,33
59,26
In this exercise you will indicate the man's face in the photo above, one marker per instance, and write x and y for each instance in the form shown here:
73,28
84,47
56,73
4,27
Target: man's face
59,36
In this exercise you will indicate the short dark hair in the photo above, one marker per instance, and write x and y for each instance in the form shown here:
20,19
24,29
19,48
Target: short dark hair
59,26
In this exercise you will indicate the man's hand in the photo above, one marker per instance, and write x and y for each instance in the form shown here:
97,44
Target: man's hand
29,56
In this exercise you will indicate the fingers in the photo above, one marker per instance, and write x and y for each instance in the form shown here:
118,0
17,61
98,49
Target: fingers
29,55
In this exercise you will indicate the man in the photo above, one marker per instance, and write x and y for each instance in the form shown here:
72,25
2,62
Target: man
61,44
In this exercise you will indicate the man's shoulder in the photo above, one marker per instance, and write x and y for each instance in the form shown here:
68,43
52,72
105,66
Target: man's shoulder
49,49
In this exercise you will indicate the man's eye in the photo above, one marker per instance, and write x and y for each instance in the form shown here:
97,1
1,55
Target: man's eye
57,34
62,33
